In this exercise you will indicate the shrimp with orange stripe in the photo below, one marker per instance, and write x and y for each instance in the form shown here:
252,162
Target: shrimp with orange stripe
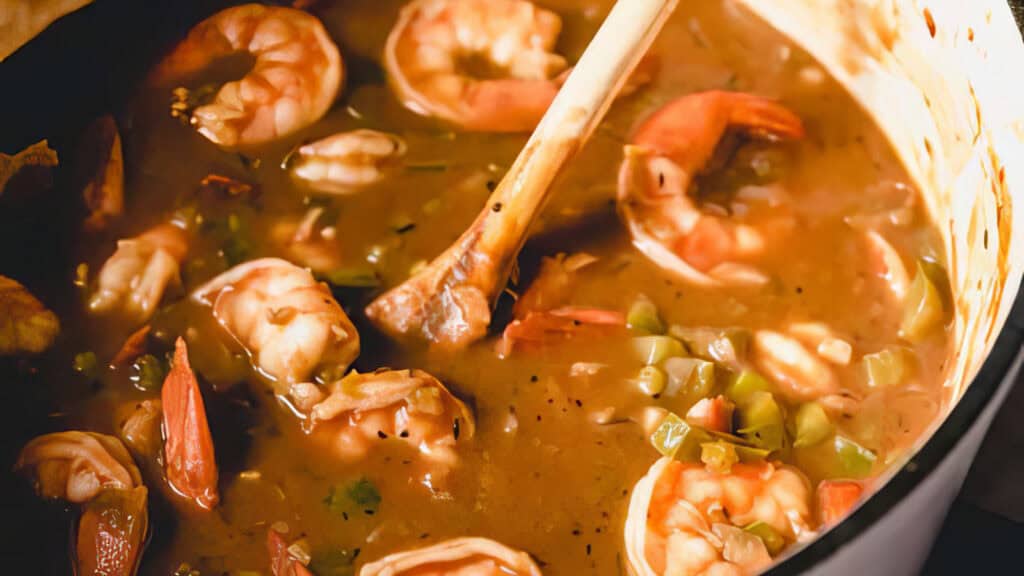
669,149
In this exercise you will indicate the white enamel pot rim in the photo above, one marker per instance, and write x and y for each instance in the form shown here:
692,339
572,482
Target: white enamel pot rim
941,79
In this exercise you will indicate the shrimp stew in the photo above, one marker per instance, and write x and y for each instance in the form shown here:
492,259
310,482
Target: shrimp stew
282,355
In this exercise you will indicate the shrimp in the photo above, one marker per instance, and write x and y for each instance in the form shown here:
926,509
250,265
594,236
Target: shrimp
288,322
295,78
97,472
191,469
553,284
545,326
457,557
134,278
484,65
799,373
667,151
408,405
346,162
305,242
683,518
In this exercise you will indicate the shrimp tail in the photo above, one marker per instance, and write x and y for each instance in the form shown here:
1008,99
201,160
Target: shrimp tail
688,129
762,117
188,448
111,533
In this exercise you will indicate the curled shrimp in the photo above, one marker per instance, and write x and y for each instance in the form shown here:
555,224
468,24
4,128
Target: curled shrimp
408,405
667,151
685,520
460,556
134,278
288,322
346,162
293,82
97,472
436,50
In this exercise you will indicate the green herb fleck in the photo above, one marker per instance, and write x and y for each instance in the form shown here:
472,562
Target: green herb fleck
85,363
148,372
358,496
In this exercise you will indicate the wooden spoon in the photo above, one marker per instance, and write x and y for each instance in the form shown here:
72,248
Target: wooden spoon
450,301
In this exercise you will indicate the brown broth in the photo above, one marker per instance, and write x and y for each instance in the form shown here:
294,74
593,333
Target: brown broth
558,486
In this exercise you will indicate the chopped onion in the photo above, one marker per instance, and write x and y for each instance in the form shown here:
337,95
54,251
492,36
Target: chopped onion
742,548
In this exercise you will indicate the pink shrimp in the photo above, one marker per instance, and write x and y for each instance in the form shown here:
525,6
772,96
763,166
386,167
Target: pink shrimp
667,151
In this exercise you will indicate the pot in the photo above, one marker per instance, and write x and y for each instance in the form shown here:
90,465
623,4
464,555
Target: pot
938,76
933,75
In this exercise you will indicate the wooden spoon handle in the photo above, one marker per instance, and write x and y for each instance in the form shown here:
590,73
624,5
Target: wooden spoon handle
616,49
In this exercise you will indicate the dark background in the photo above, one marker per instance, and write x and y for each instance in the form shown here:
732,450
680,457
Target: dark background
984,533
72,73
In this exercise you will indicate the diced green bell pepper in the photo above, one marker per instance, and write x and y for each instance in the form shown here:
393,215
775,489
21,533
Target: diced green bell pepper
653,350
643,315
811,425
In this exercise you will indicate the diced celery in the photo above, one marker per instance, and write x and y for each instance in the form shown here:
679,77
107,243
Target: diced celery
745,384
811,424
924,310
751,454
744,449
691,378
718,456
652,350
889,367
761,421
677,439
643,315
855,461
773,541
651,380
